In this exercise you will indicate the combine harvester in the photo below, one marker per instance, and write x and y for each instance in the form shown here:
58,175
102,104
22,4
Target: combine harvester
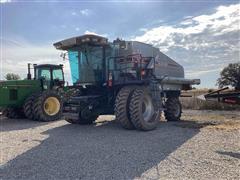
130,79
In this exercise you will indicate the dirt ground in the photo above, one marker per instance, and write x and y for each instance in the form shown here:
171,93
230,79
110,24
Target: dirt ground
204,145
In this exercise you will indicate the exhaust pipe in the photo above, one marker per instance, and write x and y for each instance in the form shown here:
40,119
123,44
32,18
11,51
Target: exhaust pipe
29,76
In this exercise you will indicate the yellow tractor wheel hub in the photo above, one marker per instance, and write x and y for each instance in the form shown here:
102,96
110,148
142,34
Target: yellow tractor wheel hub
51,106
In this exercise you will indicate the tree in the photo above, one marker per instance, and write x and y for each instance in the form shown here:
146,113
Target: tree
12,76
230,76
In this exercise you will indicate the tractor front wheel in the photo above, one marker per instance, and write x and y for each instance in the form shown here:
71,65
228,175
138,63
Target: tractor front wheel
47,106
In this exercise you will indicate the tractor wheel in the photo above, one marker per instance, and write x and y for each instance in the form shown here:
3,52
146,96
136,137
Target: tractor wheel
47,106
28,106
122,107
143,114
81,120
13,113
173,109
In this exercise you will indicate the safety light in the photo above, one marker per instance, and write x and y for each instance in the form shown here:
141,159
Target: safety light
143,72
110,79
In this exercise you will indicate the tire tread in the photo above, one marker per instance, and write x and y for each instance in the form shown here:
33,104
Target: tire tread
122,107
169,112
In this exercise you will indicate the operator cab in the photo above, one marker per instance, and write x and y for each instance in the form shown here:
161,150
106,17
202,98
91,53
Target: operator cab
51,75
87,58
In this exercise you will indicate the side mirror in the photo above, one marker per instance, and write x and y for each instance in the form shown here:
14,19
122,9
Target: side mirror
63,55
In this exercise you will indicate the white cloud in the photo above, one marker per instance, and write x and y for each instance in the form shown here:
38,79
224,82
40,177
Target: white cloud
5,1
201,43
74,13
77,29
197,74
85,12
225,19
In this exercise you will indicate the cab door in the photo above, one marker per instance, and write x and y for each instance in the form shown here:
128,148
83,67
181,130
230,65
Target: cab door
44,74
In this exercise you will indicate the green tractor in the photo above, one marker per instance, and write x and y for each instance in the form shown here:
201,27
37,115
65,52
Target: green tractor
35,98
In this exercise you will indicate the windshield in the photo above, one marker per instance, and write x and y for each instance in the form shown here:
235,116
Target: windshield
86,64
57,74
43,73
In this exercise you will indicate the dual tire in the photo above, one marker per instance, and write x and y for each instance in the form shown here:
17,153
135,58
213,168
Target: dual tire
13,113
142,111
122,111
45,106
134,109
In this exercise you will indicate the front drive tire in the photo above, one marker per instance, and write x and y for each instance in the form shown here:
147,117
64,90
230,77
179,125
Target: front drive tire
173,109
47,106
143,114
122,107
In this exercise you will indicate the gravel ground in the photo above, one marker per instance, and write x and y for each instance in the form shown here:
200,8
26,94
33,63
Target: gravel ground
205,145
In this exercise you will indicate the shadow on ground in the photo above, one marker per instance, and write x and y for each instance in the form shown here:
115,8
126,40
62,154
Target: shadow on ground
18,124
97,152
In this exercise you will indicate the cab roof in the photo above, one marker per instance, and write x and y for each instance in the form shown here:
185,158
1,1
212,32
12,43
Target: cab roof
49,65
80,40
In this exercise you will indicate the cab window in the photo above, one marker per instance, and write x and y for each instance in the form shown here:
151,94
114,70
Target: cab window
44,73
58,74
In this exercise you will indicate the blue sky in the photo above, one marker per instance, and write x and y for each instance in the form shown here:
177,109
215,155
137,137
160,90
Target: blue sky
203,36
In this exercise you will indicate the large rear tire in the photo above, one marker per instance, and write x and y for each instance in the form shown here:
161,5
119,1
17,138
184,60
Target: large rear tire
173,109
47,106
122,107
28,106
143,114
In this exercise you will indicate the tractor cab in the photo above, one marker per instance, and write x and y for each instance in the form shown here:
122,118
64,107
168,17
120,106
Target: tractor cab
49,74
